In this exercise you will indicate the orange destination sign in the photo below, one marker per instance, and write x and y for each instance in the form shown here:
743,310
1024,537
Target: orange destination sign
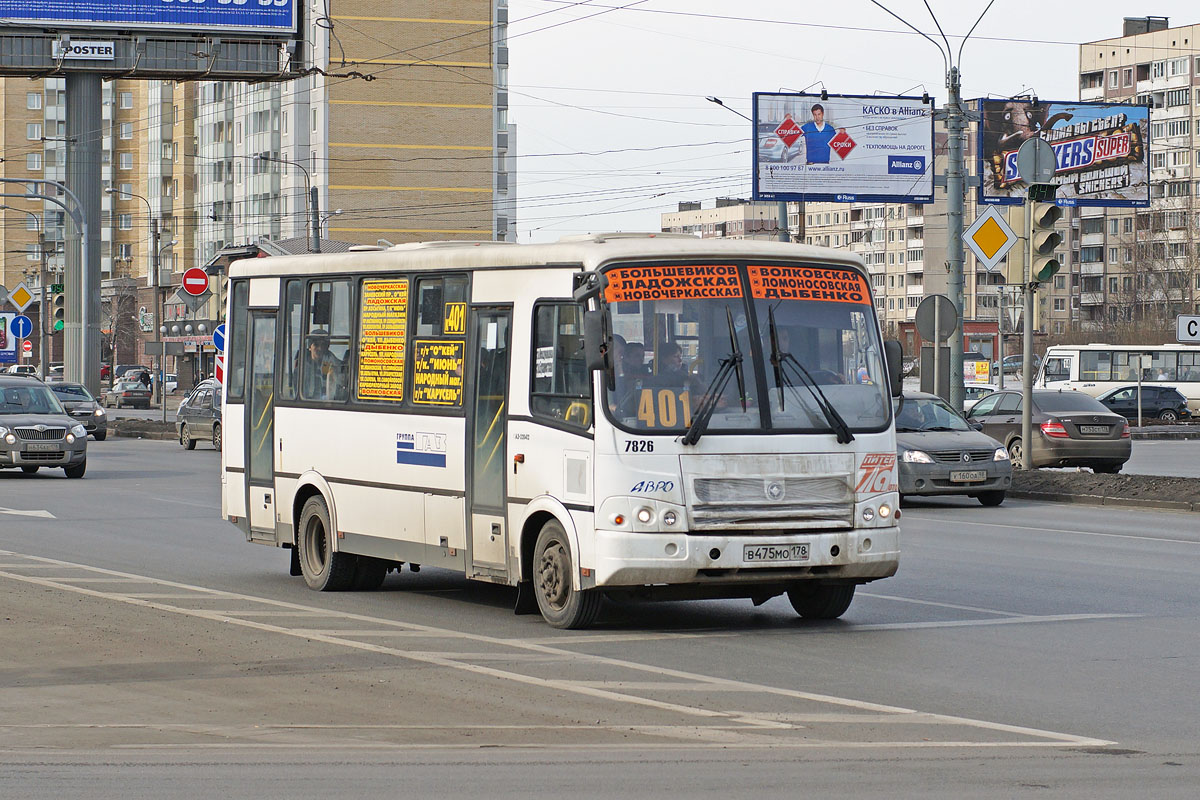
697,282
796,282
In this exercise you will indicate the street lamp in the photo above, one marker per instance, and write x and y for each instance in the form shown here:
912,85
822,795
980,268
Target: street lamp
337,212
312,205
160,298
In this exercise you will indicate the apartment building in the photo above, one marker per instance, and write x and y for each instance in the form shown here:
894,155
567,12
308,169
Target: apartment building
730,218
1140,267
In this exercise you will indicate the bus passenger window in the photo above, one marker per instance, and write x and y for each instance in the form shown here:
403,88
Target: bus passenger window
293,331
561,383
324,361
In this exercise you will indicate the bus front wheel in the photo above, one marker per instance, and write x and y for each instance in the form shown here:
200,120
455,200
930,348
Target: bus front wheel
821,601
324,570
561,604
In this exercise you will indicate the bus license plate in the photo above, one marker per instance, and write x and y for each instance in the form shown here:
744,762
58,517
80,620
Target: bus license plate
968,476
775,552
42,447
1095,430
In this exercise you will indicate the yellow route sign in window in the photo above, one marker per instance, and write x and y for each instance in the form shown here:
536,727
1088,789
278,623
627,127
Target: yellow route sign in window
989,237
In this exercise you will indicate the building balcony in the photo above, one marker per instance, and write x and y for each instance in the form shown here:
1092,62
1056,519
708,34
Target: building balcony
1092,269
915,288
915,220
1092,239
914,266
1091,298
916,243
1092,94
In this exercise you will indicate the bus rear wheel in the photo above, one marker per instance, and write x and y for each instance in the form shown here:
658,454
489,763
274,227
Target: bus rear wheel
821,601
561,604
324,570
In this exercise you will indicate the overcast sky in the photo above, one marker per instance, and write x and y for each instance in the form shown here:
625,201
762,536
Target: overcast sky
609,95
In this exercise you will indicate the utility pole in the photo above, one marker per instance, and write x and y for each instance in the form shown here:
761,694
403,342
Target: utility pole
315,209
43,332
956,124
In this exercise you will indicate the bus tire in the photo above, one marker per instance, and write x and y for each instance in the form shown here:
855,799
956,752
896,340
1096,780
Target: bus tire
324,570
369,574
561,605
821,601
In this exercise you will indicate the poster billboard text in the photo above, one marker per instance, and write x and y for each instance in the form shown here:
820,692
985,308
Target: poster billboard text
845,148
1101,151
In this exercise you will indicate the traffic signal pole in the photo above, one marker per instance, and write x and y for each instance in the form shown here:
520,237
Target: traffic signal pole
1027,343
956,124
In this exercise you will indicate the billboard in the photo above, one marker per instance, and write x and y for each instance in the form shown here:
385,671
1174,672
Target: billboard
842,148
1102,151
8,342
251,16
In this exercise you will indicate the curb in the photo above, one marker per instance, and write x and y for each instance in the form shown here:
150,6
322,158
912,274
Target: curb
141,434
1181,436
1104,500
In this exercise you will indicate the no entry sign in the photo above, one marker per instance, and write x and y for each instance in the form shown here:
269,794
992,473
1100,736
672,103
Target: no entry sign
195,281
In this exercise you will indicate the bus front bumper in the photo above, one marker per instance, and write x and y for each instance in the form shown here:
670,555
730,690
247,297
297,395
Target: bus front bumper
625,558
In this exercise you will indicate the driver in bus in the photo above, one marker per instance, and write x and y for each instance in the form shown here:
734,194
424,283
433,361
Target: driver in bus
321,372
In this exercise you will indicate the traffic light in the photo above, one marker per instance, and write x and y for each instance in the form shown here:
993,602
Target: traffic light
59,308
1045,238
1014,262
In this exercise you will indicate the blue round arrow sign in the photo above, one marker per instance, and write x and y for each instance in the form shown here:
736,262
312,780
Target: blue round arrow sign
219,337
21,326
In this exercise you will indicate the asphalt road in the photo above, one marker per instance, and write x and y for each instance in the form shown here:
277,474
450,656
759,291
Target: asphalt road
1161,457
148,651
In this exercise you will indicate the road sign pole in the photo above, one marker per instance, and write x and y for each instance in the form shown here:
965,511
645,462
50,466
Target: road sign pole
937,351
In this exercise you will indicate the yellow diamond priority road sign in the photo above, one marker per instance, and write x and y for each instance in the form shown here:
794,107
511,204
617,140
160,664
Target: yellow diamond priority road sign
20,297
989,237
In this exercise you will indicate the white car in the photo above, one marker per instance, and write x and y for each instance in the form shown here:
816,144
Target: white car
171,382
974,392
22,369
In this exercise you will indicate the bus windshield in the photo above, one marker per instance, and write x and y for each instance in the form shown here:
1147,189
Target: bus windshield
674,326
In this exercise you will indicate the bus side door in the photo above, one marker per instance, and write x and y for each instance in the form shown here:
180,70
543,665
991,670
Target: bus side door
487,432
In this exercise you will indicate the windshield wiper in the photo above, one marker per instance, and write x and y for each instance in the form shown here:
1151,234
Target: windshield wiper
730,365
779,360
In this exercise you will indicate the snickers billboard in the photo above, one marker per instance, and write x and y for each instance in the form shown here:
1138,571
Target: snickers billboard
1101,151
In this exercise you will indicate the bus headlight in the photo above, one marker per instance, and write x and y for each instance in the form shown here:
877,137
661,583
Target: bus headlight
645,516
669,518
885,511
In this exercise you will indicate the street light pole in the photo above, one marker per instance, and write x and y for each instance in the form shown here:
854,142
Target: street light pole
313,196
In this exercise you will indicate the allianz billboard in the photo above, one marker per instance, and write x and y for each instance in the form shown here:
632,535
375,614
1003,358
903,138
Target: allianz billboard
259,17
842,148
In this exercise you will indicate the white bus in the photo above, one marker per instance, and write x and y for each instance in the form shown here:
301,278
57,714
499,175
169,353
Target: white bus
648,415
1098,368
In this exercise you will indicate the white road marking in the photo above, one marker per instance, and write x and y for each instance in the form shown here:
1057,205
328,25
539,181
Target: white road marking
18,512
939,605
745,722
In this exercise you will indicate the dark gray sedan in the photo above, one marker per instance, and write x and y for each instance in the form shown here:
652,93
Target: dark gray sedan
36,432
939,453
199,416
1070,429
82,407
128,393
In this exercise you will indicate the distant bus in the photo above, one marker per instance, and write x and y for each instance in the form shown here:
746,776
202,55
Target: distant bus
1097,368
655,416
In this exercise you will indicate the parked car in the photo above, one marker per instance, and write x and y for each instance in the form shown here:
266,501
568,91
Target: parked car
121,370
1158,402
939,453
79,404
1012,364
974,392
128,393
1070,429
171,381
105,371
21,369
199,416
56,369
35,430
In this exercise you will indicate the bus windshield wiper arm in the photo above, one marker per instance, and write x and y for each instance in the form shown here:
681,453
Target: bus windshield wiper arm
836,423
782,380
730,365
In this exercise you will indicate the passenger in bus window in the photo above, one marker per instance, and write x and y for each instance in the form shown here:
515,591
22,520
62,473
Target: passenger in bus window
633,359
321,369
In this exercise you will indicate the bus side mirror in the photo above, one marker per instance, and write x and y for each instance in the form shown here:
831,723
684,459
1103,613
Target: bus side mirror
597,345
893,353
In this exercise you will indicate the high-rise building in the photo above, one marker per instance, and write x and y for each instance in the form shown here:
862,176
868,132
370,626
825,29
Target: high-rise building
728,218
1141,267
